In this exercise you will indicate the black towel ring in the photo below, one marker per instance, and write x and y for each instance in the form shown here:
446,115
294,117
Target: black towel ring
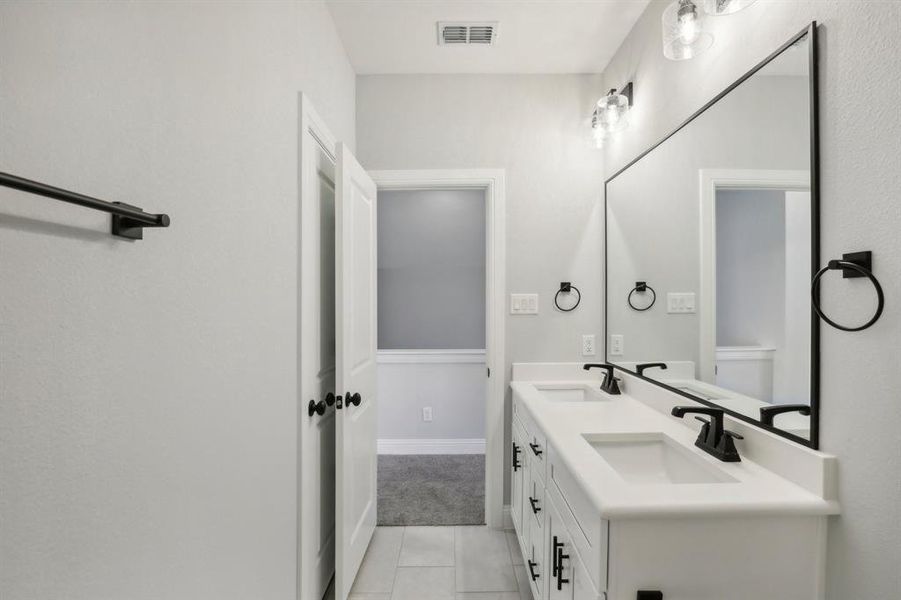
642,287
837,265
566,288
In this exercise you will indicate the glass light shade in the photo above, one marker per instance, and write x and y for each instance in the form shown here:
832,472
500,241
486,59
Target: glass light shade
684,32
611,112
718,8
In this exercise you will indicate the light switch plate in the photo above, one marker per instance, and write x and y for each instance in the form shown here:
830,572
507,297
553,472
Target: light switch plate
680,302
427,414
523,304
616,344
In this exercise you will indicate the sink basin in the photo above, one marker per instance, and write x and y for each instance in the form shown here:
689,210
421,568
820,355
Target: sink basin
654,458
568,393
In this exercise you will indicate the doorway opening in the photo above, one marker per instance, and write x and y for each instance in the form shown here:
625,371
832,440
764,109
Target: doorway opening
432,380
440,314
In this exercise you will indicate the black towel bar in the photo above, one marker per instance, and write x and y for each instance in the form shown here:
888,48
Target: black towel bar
127,222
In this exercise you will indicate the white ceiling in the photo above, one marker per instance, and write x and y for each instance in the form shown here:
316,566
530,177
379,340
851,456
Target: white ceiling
566,36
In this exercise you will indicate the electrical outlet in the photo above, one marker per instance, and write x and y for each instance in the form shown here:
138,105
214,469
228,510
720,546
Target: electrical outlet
588,345
523,304
616,344
427,414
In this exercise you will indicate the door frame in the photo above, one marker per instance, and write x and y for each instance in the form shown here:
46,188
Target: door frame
313,137
712,180
492,181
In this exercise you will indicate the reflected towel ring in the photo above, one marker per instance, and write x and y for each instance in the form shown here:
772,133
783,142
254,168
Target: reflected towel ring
566,288
860,270
642,287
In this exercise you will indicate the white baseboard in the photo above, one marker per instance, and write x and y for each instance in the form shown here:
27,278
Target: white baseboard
426,446
508,518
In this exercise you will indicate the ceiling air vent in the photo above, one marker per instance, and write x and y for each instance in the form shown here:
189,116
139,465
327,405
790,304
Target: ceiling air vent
482,33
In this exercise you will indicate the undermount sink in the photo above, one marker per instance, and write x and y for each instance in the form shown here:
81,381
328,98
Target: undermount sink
654,458
568,393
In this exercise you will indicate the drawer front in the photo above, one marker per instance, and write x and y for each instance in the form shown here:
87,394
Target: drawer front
587,531
536,565
536,443
534,504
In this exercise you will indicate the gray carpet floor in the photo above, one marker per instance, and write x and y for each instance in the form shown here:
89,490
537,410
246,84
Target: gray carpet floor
434,489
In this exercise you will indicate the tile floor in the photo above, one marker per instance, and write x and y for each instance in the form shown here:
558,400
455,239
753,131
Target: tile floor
442,563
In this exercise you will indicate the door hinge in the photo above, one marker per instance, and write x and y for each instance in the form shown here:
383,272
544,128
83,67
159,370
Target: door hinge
489,371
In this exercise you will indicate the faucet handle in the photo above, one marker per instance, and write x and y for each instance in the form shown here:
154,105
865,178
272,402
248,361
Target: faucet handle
726,447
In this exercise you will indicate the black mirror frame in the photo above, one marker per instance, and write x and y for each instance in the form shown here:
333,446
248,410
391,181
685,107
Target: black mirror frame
814,442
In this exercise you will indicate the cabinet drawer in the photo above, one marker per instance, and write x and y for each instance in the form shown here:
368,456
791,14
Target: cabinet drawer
536,565
588,532
534,504
536,443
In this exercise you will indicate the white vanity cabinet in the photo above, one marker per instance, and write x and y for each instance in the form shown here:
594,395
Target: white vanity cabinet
536,501
572,553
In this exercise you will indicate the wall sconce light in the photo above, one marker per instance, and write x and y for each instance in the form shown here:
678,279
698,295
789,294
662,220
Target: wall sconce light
684,32
611,113
717,8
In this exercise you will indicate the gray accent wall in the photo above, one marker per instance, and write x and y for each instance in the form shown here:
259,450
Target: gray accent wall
750,268
431,269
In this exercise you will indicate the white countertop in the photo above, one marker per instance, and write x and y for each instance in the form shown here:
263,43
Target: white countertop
755,491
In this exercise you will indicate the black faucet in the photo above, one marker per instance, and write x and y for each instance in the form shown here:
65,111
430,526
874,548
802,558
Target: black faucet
640,368
609,384
767,413
713,439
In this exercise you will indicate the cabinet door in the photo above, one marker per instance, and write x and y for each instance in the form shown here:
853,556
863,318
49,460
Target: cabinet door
560,553
536,562
517,480
582,589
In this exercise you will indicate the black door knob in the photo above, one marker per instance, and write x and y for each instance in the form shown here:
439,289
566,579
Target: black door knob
354,399
316,408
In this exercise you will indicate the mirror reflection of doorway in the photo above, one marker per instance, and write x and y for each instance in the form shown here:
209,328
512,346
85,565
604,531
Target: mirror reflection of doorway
763,262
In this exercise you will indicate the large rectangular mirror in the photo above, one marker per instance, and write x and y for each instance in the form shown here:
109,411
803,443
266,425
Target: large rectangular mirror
712,241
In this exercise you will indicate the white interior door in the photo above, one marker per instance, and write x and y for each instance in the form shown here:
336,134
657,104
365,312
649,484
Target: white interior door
355,322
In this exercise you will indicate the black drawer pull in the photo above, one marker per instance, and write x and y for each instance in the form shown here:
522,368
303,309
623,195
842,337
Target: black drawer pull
516,451
536,449
558,558
532,573
534,502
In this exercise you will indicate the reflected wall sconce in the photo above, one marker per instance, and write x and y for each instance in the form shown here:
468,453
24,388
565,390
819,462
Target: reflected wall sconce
719,8
685,35
611,113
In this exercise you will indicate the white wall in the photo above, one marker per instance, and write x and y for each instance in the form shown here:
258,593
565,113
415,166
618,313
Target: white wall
431,279
534,126
450,382
148,390
860,127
